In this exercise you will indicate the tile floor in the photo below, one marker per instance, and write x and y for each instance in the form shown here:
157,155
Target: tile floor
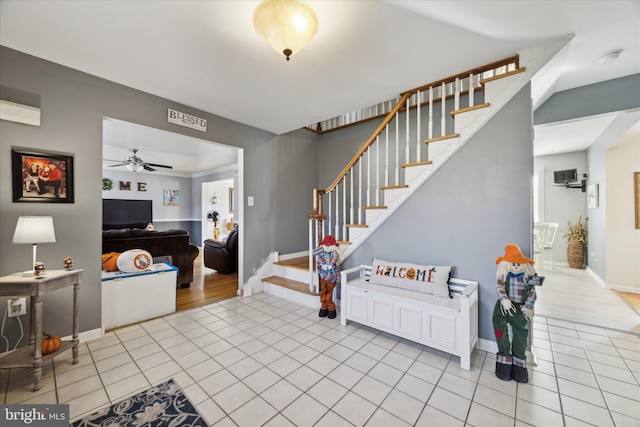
262,360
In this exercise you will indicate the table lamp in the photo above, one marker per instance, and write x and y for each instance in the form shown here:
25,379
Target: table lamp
33,230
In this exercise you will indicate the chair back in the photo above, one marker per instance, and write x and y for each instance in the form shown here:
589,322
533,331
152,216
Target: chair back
551,236
540,236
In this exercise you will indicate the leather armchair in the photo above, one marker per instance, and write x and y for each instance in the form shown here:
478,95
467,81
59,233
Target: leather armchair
222,256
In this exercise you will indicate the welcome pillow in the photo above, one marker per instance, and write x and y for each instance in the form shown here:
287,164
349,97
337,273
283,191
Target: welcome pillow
428,279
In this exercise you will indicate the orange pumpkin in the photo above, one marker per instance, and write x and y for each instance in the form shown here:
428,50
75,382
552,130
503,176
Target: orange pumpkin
110,261
50,344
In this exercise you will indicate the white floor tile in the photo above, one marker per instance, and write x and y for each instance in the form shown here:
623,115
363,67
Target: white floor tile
481,416
254,413
304,411
403,406
354,409
585,411
434,417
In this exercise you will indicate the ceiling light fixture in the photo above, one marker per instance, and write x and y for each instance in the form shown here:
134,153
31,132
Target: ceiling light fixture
134,167
610,56
287,25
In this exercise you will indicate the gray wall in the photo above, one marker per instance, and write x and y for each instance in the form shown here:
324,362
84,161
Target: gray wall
561,204
73,107
612,95
472,207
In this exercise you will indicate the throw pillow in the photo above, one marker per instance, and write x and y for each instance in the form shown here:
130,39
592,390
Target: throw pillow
110,261
428,279
134,260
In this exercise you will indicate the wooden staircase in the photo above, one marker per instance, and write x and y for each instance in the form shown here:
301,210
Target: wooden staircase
350,217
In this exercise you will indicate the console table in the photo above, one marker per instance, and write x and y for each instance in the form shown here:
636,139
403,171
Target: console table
18,285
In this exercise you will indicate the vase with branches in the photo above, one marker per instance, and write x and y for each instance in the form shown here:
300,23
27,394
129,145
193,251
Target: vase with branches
577,235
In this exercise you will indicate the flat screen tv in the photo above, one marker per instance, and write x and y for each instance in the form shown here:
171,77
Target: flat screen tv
565,176
120,213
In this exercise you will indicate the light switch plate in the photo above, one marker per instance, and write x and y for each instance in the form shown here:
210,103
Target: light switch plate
250,201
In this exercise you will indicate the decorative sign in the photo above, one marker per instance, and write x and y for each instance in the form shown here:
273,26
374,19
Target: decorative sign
186,120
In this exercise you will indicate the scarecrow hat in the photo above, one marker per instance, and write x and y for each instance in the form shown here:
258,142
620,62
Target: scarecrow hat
329,240
513,254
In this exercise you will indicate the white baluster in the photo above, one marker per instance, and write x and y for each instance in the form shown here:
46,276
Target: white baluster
369,176
397,120
456,94
336,233
472,88
386,155
406,145
443,119
329,213
352,217
360,191
430,112
378,170
344,208
418,127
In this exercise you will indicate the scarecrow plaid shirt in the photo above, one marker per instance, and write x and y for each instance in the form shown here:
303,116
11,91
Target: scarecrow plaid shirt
326,264
516,289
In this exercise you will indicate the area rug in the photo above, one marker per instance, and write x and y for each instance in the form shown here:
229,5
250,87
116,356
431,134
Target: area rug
162,405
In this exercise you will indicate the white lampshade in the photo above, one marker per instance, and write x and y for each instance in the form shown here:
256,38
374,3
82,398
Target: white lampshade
34,229
287,25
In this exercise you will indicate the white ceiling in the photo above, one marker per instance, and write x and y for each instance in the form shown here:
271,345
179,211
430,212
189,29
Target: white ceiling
206,54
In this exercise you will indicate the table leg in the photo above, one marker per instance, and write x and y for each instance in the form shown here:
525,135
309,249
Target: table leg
37,354
76,321
32,321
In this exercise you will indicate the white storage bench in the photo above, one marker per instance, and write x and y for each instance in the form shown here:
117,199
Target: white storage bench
447,324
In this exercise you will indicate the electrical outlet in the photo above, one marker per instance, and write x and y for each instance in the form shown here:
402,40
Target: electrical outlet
17,306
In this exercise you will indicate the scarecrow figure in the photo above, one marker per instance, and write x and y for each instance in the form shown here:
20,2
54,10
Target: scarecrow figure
327,267
516,296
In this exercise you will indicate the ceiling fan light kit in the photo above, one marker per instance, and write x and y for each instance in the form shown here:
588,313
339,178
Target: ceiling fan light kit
287,25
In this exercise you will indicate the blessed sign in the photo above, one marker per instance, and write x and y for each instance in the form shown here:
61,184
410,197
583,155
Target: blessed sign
186,120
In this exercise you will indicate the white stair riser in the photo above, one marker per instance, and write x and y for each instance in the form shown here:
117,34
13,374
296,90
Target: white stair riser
291,273
312,301
415,172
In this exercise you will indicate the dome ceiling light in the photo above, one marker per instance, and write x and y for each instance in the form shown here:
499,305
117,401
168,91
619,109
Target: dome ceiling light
287,25
610,56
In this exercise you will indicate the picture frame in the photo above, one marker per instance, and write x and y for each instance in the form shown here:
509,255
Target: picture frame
170,197
41,176
592,196
230,199
636,197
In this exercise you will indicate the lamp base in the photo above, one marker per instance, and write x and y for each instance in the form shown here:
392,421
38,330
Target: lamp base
30,273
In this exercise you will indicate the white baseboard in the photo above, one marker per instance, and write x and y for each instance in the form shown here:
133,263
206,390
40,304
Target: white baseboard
254,284
488,346
624,288
90,335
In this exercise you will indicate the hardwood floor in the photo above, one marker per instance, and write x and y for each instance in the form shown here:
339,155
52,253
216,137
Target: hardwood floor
208,286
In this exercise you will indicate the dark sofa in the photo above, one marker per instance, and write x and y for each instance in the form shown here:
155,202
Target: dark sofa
158,243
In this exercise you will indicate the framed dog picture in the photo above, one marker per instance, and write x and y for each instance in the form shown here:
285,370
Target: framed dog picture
38,176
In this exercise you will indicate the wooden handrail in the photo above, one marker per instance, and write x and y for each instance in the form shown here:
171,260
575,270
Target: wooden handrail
477,70
368,142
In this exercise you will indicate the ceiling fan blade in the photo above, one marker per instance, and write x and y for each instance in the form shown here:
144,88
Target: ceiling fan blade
147,167
119,164
159,166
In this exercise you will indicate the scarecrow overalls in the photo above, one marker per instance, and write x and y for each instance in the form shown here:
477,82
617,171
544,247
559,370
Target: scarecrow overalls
521,294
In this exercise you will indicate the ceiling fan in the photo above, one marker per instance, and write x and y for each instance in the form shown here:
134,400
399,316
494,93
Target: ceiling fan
136,164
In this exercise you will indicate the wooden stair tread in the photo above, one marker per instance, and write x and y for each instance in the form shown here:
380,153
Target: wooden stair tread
298,262
408,165
441,138
343,242
294,285
390,187
358,225
503,75
467,109
374,207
